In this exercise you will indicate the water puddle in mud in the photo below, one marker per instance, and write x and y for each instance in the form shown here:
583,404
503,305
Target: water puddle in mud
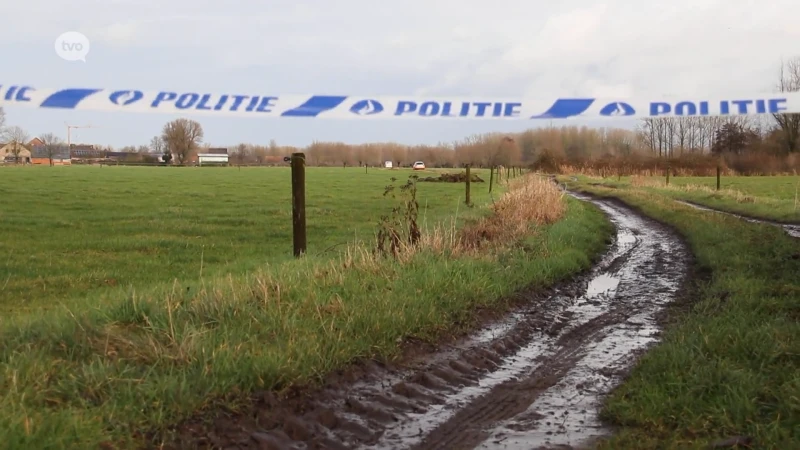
496,330
790,229
566,415
602,284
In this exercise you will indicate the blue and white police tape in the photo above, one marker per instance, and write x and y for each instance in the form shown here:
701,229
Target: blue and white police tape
391,107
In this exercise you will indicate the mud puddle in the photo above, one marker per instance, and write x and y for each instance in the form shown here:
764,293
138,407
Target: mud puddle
534,380
792,230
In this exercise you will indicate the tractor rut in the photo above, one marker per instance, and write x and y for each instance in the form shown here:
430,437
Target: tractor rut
535,379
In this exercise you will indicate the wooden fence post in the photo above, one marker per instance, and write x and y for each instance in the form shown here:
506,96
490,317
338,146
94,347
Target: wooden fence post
299,203
718,171
469,176
491,177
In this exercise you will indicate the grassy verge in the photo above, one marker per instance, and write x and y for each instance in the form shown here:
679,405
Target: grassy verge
774,197
729,365
106,373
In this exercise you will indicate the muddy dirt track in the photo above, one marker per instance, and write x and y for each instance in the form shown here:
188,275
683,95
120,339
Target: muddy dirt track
533,380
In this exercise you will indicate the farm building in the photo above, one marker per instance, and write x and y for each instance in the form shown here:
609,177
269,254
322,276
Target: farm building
86,153
60,155
213,156
120,156
8,156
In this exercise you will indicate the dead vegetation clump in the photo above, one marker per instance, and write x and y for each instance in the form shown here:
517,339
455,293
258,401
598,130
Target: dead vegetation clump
453,178
529,201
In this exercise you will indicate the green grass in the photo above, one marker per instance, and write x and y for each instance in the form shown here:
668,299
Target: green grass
75,231
769,197
114,364
730,364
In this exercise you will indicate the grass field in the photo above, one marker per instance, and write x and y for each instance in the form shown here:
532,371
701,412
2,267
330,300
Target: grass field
78,231
770,197
729,362
99,345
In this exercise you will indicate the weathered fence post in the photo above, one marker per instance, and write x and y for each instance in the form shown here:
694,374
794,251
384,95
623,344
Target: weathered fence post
491,177
469,176
718,171
299,203
667,174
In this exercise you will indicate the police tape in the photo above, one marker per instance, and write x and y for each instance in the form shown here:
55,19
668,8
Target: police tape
384,107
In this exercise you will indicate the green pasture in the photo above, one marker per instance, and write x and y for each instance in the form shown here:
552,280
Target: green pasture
73,231
770,197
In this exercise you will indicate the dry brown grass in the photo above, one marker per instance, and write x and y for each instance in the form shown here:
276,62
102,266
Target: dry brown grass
530,200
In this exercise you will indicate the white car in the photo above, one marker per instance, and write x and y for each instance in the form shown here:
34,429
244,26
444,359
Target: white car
419,165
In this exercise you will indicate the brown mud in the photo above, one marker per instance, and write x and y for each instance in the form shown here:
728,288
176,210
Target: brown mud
792,229
535,379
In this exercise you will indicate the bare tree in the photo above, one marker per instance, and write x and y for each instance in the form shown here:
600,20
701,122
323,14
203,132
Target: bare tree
506,152
182,137
2,120
53,145
17,137
157,145
274,150
789,124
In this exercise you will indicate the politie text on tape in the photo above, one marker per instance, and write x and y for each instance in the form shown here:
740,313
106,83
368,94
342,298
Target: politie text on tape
389,107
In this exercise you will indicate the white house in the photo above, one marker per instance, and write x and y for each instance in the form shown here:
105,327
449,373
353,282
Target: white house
213,156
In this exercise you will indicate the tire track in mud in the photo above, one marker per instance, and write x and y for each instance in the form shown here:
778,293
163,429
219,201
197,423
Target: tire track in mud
535,379
791,229
555,402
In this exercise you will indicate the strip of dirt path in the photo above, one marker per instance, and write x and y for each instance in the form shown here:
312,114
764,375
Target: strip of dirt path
792,229
535,379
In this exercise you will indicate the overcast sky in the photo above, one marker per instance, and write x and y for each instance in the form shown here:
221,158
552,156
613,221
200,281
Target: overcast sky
370,47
